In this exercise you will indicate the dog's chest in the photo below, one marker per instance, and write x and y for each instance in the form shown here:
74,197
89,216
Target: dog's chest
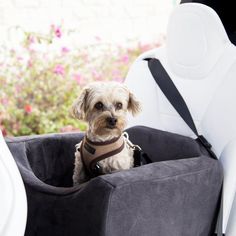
121,161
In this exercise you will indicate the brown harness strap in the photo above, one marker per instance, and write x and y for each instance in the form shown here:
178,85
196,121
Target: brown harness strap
93,152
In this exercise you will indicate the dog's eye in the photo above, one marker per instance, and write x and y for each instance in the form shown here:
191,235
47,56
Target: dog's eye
118,105
99,106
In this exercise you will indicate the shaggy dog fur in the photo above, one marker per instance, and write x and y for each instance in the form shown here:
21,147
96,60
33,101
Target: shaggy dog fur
104,106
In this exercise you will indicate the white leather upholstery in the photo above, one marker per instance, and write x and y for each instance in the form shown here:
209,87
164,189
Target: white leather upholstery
13,204
201,61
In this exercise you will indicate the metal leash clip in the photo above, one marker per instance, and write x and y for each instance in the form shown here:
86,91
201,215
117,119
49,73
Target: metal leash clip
133,146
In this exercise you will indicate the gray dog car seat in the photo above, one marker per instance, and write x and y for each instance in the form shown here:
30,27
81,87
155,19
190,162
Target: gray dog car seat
176,195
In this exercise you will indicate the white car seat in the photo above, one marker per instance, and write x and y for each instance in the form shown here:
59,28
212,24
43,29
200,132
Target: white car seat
201,61
13,203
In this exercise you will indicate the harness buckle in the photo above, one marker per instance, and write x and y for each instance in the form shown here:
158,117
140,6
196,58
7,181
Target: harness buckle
96,170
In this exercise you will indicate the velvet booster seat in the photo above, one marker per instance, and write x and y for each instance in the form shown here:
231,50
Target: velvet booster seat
176,195
163,198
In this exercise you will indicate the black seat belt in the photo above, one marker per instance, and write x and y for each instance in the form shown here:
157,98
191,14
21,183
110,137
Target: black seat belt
175,98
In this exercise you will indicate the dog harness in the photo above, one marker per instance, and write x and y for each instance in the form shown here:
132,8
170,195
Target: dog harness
93,152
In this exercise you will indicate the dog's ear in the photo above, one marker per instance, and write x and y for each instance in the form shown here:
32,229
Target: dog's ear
79,106
134,106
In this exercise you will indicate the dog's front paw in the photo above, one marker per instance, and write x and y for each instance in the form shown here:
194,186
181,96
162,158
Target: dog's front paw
79,175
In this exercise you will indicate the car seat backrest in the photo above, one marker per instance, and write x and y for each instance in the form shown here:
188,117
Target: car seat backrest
201,60
196,39
198,56
13,202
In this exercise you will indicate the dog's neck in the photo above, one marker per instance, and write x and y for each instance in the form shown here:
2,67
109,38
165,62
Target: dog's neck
100,138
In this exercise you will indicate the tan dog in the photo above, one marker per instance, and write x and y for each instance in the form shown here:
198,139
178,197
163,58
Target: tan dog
104,105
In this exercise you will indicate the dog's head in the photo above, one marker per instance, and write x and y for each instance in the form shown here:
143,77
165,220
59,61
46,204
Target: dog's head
104,106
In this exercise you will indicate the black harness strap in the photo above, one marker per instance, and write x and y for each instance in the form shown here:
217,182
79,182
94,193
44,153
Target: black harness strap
175,98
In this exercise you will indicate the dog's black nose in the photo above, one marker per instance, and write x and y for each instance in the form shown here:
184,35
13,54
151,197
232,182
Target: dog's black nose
111,121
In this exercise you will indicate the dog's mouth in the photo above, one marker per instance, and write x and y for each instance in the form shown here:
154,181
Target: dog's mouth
111,127
107,129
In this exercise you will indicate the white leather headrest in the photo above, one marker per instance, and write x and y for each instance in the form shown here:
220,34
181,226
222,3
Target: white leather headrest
195,40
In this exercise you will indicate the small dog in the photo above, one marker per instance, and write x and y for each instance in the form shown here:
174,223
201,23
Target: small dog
104,149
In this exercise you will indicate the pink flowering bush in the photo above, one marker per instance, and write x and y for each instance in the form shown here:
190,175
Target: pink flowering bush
41,78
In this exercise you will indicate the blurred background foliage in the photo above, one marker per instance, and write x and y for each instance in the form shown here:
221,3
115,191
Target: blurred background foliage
40,79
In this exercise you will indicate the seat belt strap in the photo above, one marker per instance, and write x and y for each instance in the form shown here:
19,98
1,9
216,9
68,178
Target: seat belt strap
175,98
